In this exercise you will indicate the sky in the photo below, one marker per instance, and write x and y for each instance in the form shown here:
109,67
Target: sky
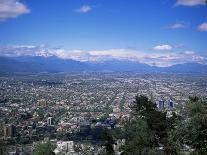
155,32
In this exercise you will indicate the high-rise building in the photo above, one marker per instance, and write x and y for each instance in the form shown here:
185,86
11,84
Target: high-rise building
42,103
161,104
170,105
9,131
50,121
65,147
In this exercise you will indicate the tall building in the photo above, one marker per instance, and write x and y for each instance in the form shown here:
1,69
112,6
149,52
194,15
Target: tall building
50,121
9,131
161,105
170,105
65,147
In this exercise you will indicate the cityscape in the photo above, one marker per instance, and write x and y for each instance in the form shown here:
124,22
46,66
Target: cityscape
103,77
69,109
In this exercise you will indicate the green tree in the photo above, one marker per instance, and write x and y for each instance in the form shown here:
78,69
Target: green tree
192,129
108,139
3,150
148,129
139,137
43,149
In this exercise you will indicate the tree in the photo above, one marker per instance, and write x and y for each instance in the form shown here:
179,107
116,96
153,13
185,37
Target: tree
43,149
3,150
108,142
192,129
148,129
139,137
141,107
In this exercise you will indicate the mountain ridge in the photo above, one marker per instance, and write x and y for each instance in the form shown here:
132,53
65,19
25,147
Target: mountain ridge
54,64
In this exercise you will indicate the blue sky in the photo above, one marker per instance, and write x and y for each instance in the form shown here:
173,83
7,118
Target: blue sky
149,26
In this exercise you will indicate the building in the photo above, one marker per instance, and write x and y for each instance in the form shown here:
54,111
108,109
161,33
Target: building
9,131
170,105
50,121
161,105
65,147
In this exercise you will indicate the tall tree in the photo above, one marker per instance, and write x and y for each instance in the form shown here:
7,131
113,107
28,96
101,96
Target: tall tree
3,150
148,128
43,149
192,129
108,139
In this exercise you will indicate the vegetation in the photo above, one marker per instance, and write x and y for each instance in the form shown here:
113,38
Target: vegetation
148,130
2,148
108,142
192,129
43,149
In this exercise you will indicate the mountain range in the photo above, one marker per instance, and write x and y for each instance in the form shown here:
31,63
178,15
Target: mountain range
51,64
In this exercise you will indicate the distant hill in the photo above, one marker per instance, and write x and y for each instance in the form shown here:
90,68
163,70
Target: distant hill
121,66
39,64
187,68
35,64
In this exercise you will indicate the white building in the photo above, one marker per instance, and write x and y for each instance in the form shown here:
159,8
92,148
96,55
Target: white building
65,147
50,121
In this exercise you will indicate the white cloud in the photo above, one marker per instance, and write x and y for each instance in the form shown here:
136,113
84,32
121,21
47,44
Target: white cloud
162,48
159,59
84,9
202,27
24,50
189,52
189,2
177,26
12,9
